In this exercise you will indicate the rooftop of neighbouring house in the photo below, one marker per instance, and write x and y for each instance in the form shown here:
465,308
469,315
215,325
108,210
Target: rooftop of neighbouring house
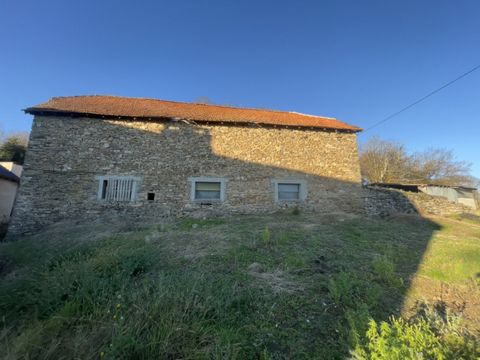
408,186
8,175
126,107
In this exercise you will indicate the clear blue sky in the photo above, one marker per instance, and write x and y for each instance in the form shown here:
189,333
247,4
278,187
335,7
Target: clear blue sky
355,60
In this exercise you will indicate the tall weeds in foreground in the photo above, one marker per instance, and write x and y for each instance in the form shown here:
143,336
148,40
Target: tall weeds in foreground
125,298
428,335
432,333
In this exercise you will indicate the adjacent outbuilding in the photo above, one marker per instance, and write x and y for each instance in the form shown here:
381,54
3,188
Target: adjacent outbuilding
466,196
9,183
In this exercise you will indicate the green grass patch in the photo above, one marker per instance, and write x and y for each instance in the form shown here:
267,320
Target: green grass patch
453,255
264,287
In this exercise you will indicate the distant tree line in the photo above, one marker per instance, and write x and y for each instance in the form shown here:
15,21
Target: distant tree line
384,161
14,147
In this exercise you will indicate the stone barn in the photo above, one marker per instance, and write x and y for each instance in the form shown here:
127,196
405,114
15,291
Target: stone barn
95,158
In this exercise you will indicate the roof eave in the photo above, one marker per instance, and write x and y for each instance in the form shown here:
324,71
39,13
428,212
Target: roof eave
52,112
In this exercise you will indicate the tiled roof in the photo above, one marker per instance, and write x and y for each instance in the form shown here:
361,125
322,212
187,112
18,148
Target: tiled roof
113,106
8,175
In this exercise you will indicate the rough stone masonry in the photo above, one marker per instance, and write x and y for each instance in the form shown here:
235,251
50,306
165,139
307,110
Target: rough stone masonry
77,143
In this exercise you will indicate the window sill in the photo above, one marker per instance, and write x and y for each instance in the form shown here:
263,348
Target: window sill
214,201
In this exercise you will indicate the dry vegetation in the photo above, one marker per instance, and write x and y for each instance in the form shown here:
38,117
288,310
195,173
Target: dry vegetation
384,161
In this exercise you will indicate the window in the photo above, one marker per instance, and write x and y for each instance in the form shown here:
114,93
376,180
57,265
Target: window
150,196
117,188
290,190
207,190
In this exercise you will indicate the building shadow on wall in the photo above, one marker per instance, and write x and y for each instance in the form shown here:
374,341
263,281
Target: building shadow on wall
165,158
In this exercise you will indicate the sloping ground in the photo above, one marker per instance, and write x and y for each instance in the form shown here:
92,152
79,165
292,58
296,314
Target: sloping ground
276,286
449,272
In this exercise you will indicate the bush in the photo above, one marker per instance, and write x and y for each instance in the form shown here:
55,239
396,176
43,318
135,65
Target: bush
428,335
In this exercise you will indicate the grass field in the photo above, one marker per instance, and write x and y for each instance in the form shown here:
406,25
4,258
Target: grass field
274,286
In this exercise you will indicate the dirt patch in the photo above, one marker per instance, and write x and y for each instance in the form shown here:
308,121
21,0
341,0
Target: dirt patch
191,245
463,300
275,279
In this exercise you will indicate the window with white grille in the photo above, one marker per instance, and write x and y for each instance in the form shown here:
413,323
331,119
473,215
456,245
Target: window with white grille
117,188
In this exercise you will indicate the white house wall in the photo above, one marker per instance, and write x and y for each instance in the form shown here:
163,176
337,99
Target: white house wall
8,190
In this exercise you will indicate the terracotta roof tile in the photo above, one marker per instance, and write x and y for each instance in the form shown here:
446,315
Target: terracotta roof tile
152,108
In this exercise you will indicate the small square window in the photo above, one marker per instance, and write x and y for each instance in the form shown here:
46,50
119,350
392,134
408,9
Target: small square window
206,190
288,191
150,196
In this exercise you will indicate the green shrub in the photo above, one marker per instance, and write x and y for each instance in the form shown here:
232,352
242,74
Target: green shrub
384,268
428,335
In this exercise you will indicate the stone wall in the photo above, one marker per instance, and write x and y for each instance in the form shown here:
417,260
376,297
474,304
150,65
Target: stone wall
436,205
66,154
384,202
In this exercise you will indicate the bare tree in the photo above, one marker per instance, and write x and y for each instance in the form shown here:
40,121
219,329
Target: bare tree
389,162
439,166
383,161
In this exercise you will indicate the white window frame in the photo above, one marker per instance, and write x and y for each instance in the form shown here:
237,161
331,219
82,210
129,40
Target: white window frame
194,180
134,189
302,191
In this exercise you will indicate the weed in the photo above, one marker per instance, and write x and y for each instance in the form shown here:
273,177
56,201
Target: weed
384,268
294,261
284,238
266,237
349,291
418,338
